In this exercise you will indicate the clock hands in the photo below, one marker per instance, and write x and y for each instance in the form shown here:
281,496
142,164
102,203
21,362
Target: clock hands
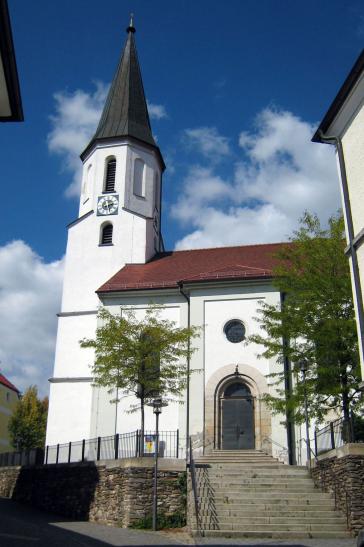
107,205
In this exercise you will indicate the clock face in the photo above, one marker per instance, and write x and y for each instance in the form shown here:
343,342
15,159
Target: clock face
107,205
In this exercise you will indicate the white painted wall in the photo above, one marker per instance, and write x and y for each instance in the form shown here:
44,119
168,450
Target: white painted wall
69,412
89,265
212,309
103,412
349,126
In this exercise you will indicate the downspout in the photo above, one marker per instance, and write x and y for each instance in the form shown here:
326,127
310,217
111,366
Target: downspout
187,298
288,389
349,221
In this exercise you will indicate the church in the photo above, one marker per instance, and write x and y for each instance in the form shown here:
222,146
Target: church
116,258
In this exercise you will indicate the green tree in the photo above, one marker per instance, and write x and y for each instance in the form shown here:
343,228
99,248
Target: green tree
27,426
316,323
144,356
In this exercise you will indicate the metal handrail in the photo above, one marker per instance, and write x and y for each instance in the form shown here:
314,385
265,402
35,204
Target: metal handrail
269,439
312,452
192,468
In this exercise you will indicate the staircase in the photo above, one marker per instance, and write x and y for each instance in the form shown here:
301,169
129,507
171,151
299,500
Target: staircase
250,494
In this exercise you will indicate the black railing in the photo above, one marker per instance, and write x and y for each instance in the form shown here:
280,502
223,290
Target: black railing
334,435
114,447
35,456
192,468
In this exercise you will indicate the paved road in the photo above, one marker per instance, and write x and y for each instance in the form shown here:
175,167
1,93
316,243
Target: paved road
23,526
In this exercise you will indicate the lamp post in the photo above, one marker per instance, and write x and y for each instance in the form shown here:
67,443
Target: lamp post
157,409
303,368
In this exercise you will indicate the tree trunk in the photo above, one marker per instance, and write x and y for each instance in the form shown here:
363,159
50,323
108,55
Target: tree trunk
142,426
345,405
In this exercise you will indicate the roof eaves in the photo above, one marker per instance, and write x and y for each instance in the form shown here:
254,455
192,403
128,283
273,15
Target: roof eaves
340,98
5,382
7,54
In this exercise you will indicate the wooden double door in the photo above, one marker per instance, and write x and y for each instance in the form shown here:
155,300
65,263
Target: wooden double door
237,431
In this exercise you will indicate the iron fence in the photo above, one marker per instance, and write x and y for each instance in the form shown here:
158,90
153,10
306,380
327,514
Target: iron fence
35,456
334,435
119,446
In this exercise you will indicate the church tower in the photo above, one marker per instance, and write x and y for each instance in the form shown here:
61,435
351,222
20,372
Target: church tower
118,224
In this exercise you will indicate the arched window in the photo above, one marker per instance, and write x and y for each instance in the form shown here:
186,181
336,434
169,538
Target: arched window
237,389
156,191
106,234
109,185
87,180
139,178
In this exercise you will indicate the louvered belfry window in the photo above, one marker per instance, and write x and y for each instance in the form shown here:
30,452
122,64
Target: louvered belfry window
106,238
110,176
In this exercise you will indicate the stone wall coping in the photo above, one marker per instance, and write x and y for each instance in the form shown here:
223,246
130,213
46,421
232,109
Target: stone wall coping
350,449
164,464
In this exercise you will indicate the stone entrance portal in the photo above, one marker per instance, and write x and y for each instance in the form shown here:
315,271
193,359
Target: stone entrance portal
236,417
233,404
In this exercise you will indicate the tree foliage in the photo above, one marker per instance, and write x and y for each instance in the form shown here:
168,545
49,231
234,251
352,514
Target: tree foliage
145,356
316,322
27,426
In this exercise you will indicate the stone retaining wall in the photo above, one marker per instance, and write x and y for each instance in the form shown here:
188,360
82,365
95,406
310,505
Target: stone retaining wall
113,492
341,472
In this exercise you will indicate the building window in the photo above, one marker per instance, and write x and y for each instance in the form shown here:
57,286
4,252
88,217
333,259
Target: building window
109,185
139,178
87,181
7,396
106,234
235,331
156,191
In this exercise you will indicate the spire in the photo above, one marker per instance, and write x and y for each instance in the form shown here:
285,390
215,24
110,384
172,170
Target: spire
125,112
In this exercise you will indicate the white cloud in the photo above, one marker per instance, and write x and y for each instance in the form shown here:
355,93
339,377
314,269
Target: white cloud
208,141
30,295
73,124
156,111
280,175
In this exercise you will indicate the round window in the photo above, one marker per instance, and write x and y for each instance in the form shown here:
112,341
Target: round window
234,331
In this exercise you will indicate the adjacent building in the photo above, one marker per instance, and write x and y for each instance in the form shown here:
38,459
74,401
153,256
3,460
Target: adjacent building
343,127
9,396
11,109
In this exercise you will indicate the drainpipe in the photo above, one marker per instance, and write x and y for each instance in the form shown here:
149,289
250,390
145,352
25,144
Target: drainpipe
187,298
327,139
288,389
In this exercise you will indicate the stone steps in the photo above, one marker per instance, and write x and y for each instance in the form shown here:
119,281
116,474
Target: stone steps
258,505
286,521
253,480
227,490
264,527
250,494
268,513
261,534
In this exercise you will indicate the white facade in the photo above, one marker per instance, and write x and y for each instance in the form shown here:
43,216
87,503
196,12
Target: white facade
119,224
347,126
135,239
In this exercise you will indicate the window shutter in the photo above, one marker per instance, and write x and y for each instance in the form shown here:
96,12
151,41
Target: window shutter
110,176
107,234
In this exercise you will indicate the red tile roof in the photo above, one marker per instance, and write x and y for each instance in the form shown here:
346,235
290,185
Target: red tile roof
170,268
5,382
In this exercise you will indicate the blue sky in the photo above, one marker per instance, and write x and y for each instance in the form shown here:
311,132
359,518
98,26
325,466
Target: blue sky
235,89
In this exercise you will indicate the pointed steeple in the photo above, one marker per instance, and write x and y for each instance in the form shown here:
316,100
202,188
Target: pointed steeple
125,113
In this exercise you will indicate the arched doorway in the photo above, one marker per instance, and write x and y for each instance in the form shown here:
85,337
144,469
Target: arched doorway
236,420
